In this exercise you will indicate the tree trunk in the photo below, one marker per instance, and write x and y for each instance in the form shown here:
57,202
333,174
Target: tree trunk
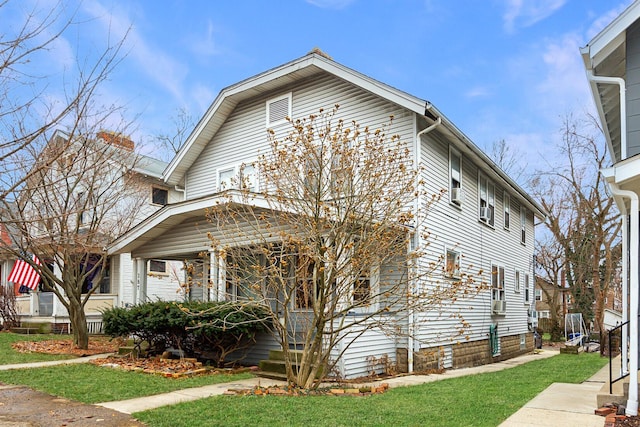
79,326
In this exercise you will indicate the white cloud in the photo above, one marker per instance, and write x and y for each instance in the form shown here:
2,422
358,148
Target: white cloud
162,68
478,92
204,45
600,23
524,13
330,4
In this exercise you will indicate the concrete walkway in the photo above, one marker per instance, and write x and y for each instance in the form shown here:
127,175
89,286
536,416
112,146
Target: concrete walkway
559,404
563,405
155,401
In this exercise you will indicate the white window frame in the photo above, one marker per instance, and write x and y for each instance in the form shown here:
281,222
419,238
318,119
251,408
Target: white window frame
269,123
486,198
517,281
154,188
165,272
228,184
538,294
374,291
506,204
455,176
523,225
527,289
452,271
498,279
237,179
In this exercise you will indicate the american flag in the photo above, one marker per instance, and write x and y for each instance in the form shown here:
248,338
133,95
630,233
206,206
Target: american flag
24,274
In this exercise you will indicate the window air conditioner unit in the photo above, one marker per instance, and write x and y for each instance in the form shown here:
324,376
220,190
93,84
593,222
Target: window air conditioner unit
485,214
457,196
499,307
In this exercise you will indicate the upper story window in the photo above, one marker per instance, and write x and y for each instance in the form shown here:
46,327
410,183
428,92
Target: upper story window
278,109
242,176
159,196
507,210
523,225
538,294
455,177
487,195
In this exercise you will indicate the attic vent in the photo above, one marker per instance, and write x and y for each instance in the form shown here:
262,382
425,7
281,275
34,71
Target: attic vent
278,109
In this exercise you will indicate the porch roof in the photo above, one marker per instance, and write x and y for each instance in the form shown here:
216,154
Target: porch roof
171,215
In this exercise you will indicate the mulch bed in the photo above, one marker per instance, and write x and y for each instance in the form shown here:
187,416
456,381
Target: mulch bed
295,391
98,345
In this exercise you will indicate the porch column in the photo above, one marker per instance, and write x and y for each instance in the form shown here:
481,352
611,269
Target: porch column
213,276
140,280
222,277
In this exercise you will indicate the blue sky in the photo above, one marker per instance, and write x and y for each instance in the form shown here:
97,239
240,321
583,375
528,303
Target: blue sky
499,69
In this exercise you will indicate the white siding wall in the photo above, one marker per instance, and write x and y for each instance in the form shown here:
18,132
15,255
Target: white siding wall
243,137
480,246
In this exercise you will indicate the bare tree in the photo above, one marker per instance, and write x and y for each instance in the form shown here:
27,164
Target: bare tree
170,144
508,158
550,264
57,194
582,218
327,247
71,208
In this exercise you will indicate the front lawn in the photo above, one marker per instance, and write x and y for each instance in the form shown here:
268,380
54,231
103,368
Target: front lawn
11,356
91,384
478,400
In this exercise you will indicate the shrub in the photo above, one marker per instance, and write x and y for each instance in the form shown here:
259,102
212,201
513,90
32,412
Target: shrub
210,330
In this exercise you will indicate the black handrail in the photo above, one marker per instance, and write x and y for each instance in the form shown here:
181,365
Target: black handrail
610,334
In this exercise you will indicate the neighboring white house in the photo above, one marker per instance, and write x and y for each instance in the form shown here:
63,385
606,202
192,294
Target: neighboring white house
485,219
612,63
114,288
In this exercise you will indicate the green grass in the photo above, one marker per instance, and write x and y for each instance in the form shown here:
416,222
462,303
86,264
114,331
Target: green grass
478,400
91,384
10,356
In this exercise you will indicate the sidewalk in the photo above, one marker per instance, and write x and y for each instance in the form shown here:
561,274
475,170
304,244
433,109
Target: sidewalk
559,404
155,401
563,405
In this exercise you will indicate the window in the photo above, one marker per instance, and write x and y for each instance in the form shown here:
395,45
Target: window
516,285
278,109
487,200
159,196
243,176
452,264
455,177
305,283
546,314
497,283
507,210
225,178
527,296
157,266
523,225
538,294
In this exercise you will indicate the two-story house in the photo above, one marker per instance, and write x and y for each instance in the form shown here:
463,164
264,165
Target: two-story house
612,63
484,218
114,286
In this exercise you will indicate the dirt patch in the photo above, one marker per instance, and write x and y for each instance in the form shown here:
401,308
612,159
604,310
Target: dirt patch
23,407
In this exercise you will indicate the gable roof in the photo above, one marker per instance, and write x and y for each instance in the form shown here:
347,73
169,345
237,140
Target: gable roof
301,68
605,56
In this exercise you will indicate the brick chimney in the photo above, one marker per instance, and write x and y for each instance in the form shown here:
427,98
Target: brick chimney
115,138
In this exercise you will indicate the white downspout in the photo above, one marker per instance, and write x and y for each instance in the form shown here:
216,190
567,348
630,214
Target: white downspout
411,320
625,290
634,242
623,106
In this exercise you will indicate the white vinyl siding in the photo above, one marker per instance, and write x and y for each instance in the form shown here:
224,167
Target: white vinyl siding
242,136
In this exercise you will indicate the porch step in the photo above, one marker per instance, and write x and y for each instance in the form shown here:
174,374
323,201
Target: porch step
275,367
